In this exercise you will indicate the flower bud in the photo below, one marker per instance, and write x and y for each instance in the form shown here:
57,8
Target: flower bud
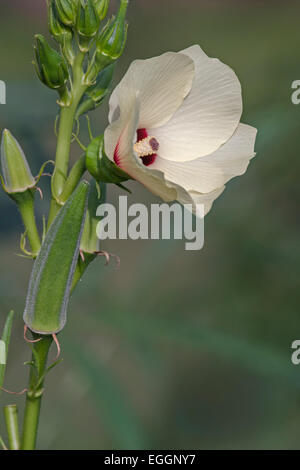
59,31
96,94
67,10
99,165
87,24
51,67
101,8
112,39
16,173
90,242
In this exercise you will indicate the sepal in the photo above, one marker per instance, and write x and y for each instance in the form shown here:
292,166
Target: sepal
100,166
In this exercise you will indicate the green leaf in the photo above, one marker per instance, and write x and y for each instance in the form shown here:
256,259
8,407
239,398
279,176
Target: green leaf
4,344
53,271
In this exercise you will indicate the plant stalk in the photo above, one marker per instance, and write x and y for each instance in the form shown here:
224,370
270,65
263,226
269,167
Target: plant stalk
26,208
12,426
35,392
64,138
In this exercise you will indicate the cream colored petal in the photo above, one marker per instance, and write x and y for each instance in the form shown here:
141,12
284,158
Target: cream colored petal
206,199
161,84
208,116
119,139
213,171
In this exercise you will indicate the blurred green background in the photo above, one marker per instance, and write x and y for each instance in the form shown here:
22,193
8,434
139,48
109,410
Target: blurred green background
176,349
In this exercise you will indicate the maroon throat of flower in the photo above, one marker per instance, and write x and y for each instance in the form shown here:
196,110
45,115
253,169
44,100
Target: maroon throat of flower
145,147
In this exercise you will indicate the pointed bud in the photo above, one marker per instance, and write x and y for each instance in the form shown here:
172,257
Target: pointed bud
100,166
52,274
67,10
58,30
51,67
87,24
61,33
112,39
101,8
16,173
90,242
96,94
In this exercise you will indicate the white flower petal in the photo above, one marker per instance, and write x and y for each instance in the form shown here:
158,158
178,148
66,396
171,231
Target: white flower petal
213,171
119,139
206,199
161,84
208,116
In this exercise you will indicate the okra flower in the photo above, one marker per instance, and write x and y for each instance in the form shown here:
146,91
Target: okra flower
175,126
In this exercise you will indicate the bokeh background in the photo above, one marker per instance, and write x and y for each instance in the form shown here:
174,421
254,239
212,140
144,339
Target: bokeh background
176,349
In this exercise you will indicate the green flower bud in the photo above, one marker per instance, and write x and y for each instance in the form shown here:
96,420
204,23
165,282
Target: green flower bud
16,174
101,8
111,42
90,242
67,10
87,24
100,166
51,67
59,31
96,94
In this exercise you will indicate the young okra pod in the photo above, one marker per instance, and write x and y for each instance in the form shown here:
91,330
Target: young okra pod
51,278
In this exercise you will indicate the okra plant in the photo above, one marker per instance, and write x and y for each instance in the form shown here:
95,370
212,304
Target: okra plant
174,126
78,64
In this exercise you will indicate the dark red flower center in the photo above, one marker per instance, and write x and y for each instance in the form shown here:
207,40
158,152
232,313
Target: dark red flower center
145,146
147,160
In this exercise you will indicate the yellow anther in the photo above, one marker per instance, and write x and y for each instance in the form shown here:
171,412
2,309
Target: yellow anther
147,146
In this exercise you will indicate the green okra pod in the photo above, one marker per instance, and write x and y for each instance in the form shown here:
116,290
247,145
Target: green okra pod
53,271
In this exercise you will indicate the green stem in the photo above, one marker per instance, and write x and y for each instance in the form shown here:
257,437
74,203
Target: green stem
26,208
35,392
54,209
12,426
66,123
73,179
